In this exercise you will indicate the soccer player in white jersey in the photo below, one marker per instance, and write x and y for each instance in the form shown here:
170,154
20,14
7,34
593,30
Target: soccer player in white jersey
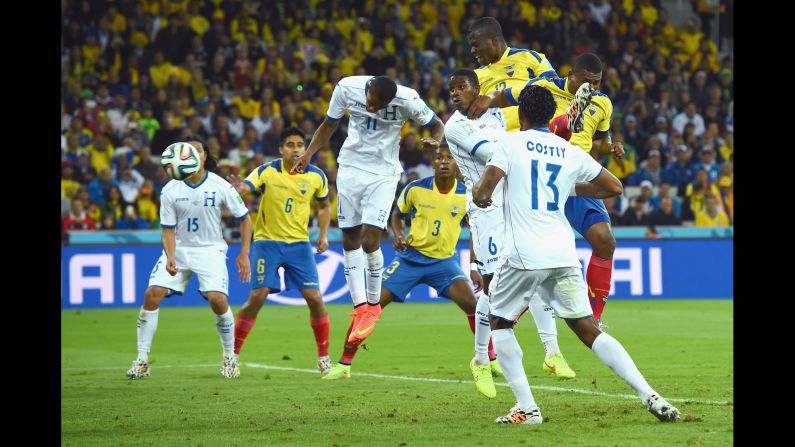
466,138
190,214
539,255
367,178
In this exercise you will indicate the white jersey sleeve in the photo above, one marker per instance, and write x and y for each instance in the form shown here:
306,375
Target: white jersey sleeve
337,105
587,168
464,136
168,215
500,157
235,203
420,112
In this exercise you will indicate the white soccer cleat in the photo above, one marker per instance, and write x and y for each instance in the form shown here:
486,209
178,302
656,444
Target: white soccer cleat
231,366
517,416
577,108
324,365
660,408
139,369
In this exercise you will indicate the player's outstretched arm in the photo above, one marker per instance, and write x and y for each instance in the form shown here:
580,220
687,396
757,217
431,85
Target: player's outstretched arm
603,186
323,220
481,193
240,186
604,145
170,247
398,231
485,102
242,261
437,133
319,139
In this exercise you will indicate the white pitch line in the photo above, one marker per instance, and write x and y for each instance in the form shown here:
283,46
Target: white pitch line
429,379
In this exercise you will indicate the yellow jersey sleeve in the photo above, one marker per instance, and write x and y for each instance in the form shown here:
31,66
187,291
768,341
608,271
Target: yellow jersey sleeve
256,178
320,183
595,123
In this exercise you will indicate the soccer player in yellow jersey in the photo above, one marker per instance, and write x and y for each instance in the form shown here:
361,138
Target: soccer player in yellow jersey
579,105
436,206
281,238
504,67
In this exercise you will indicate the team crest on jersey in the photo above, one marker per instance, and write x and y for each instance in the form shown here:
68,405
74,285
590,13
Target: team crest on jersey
592,111
509,70
469,128
303,187
454,210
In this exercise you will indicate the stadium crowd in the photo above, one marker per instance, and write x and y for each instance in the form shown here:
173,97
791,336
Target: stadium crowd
137,75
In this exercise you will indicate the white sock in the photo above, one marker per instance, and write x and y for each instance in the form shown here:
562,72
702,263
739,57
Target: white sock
544,317
147,325
610,351
226,329
509,354
354,274
482,330
375,265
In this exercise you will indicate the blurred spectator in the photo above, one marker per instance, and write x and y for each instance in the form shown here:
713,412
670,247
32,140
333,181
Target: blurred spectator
726,197
131,220
78,219
114,204
248,107
650,171
712,216
262,122
646,193
148,203
145,166
663,192
130,182
635,215
727,149
235,124
689,115
695,194
632,132
99,187
108,222
665,214
679,173
69,186
708,163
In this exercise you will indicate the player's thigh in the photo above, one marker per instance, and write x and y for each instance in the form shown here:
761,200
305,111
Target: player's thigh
583,212
401,276
300,269
209,265
377,202
566,292
446,274
487,228
510,291
161,278
350,192
266,257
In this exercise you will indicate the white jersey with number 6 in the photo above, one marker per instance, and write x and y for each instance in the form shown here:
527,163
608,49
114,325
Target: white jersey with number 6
540,169
373,138
196,211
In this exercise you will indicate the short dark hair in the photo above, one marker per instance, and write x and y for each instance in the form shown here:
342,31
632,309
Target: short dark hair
210,164
383,87
289,132
537,104
471,76
588,62
487,26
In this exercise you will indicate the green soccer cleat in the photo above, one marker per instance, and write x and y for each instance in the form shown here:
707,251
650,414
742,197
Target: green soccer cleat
496,371
557,365
484,382
339,371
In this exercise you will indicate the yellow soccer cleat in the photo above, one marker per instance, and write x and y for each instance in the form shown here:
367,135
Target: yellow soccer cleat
557,365
496,371
339,371
484,382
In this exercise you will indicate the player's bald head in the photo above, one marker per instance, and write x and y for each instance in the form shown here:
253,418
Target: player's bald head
487,27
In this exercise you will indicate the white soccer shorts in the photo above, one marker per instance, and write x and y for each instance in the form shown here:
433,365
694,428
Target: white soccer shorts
208,263
561,288
364,198
487,227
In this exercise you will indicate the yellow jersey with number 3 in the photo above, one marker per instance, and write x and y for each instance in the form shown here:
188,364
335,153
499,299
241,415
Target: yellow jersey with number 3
596,121
286,198
516,67
435,217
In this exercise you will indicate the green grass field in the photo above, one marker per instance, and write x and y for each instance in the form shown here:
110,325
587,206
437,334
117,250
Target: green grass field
684,349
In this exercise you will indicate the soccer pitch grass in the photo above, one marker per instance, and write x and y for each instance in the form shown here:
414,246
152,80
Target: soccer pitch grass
412,386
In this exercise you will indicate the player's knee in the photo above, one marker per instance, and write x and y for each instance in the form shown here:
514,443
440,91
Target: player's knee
585,329
351,238
257,297
313,298
153,297
602,241
371,241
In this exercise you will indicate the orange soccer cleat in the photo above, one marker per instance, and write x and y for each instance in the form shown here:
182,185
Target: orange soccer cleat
364,323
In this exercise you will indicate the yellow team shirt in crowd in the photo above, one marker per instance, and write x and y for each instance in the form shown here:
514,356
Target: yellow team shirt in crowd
248,109
721,220
435,217
596,118
286,198
515,68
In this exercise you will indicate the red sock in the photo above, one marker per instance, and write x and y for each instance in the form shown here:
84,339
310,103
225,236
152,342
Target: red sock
243,326
350,349
471,319
598,278
320,326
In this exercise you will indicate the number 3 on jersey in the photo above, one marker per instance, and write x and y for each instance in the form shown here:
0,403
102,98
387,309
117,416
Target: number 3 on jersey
554,170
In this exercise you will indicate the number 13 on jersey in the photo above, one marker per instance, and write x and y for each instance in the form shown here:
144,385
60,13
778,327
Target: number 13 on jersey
553,170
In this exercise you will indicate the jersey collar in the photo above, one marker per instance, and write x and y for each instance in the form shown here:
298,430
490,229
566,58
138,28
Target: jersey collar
504,55
206,174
